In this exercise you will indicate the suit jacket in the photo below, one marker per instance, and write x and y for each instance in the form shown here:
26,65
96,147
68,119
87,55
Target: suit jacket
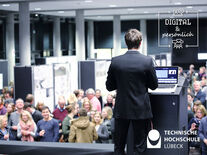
37,115
131,75
200,96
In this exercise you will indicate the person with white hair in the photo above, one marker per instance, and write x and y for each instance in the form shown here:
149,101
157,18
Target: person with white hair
90,93
199,95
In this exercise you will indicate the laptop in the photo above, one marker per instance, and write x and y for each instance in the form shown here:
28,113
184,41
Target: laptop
167,79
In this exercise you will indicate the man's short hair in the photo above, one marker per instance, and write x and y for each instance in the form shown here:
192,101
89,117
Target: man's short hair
9,92
46,107
133,38
82,112
27,105
192,95
29,98
76,92
90,91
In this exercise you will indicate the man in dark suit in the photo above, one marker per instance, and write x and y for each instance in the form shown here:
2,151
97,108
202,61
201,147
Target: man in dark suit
36,115
131,75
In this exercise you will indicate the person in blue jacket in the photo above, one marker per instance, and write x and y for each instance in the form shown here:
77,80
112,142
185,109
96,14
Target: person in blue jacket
203,135
5,132
48,127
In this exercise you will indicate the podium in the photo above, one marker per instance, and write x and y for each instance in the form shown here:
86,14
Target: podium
169,114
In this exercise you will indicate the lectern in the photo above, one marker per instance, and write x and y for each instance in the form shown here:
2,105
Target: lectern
169,115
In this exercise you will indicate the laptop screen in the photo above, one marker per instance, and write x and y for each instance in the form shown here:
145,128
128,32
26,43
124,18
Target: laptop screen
167,75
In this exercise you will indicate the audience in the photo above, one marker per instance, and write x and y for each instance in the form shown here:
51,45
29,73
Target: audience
101,129
87,105
90,93
14,118
40,105
191,74
203,135
4,130
10,109
72,111
60,112
48,127
81,91
201,73
109,101
26,127
36,115
8,98
82,130
93,122
190,113
72,99
194,125
181,72
199,95
190,99
30,99
107,116
99,97
2,107
79,97
195,105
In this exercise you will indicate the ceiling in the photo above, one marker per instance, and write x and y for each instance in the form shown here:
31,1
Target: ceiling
106,9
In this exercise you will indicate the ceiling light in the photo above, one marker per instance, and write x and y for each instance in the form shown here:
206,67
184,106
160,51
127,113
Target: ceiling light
177,3
189,7
146,12
36,15
130,9
112,5
37,9
200,10
61,11
88,1
5,5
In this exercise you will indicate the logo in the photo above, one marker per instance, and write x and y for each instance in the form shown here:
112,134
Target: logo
153,139
172,71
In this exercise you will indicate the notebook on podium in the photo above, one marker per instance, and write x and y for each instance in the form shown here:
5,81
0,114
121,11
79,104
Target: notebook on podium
167,79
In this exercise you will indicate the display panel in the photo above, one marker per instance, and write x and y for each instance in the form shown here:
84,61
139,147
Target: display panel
43,85
167,75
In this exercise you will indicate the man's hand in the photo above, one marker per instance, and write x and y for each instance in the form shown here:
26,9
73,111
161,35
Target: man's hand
205,141
14,127
193,126
42,132
6,136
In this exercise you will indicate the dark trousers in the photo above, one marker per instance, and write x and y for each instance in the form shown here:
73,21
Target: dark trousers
140,128
204,152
